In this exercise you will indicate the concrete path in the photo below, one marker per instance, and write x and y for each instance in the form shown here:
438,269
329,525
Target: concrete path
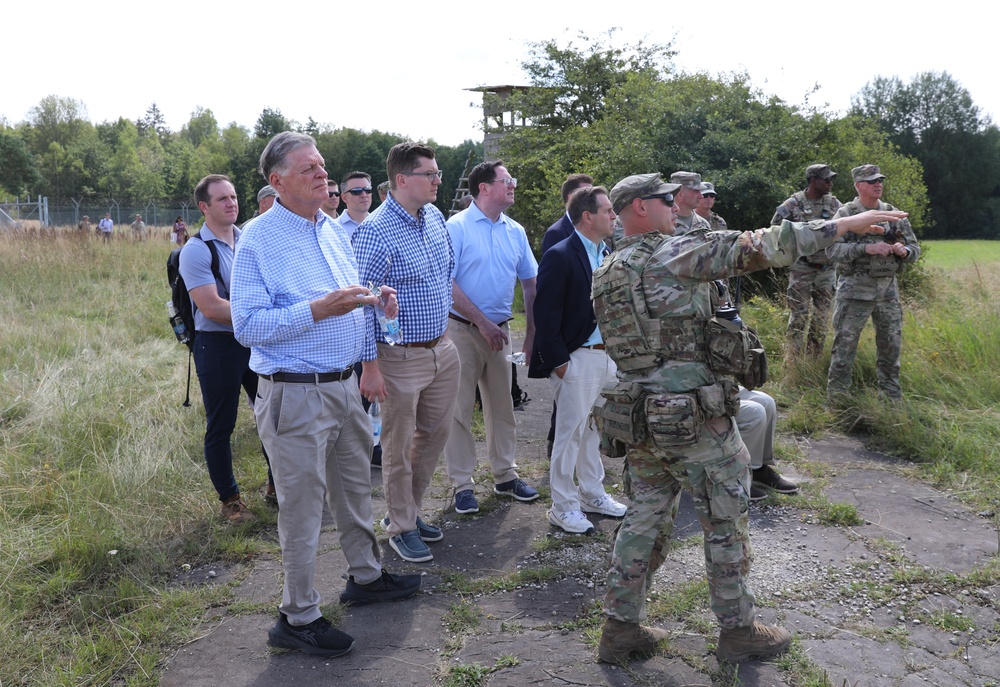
508,601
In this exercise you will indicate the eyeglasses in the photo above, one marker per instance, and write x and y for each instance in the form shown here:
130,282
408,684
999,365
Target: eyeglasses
335,194
510,182
667,198
359,191
427,175
873,181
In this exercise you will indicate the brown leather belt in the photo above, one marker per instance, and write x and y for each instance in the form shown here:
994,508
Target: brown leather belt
423,344
465,321
309,377
595,347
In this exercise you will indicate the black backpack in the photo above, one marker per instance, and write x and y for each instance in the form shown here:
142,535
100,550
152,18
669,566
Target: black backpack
181,299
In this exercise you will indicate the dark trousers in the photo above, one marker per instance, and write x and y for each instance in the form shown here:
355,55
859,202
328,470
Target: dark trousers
377,448
223,367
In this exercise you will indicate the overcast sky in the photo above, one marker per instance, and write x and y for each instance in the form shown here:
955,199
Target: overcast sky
402,66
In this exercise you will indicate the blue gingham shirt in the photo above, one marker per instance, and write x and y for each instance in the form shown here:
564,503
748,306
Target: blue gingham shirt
283,261
413,256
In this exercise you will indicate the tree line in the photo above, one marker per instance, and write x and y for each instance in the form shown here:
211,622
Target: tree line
57,152
597,106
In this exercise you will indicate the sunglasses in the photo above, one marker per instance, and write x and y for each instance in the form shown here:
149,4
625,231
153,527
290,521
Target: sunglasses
873,181
359,191
335,194
667,198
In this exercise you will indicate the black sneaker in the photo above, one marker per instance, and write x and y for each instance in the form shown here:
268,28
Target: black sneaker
757,494
319,638
768,477
517,489
386,588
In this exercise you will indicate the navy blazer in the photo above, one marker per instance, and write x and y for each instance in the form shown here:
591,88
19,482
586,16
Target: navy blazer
557,232
564,313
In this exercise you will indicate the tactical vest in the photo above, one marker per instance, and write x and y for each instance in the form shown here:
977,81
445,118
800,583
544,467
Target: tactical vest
634,340
872,265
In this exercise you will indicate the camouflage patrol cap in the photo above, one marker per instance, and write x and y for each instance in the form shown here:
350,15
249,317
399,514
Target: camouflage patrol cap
820,171
687,179
708,187
265,192
867,173
637,186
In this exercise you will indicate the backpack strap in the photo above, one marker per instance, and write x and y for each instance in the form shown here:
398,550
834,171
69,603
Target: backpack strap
215,263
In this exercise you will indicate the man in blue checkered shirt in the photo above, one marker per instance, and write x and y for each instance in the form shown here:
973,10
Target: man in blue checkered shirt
405,244
297,304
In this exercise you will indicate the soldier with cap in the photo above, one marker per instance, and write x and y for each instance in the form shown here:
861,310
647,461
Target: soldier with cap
811,278
673,407
265,199
704,209
867,288
688,198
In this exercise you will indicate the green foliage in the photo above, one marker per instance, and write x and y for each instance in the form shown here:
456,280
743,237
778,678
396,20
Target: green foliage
17,166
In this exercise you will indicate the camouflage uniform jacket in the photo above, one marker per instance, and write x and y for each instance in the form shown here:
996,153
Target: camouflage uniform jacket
799,208
717,223
677,285
853,278
691,223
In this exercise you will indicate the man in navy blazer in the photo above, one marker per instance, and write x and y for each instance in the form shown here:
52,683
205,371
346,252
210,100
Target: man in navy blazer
569,350
564,227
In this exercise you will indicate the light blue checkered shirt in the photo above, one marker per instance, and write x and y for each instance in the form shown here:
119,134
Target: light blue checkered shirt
283,261
413,256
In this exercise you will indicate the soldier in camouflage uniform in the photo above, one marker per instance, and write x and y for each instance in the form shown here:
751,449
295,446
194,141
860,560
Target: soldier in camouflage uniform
704,210
867,288
811,279
653,299
688,199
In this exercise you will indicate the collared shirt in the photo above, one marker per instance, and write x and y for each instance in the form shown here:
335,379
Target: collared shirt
283,262
596,255
488,257
349,225
196,269
413,256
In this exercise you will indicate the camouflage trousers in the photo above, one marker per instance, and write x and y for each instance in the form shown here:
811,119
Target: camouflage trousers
849,318
716,472
812,289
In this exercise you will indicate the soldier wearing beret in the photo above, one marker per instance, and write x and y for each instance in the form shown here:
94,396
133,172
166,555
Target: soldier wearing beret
867,288
675,402
811,279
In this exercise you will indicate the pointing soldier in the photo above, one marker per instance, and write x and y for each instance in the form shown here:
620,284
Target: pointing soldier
675,401
867,288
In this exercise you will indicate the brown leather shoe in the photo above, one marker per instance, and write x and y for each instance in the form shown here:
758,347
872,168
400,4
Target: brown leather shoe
763,641
619,640
270,495
235,511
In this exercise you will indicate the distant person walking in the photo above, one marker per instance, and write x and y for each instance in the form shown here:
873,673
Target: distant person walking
107,227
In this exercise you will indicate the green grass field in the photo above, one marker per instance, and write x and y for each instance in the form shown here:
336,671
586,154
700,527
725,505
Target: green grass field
104,498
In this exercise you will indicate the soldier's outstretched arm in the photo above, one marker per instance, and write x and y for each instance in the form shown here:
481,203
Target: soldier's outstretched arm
866,222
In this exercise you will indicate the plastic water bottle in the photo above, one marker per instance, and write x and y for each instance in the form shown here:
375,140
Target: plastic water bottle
375,415
517,358
388,325
180,330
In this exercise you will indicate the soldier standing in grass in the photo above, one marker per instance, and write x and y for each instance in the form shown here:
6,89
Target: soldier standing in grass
811,280
867,288
675,402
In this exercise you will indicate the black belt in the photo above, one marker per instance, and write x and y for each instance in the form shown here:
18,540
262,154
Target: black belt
309,377
465,321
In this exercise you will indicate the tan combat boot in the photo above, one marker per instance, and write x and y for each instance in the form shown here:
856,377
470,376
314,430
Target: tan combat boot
619,640
236,512
740,643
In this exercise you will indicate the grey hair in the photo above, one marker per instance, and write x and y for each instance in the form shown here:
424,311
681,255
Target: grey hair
274,157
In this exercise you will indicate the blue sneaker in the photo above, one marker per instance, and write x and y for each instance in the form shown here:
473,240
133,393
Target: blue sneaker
516,488
465,502
427,532
411,547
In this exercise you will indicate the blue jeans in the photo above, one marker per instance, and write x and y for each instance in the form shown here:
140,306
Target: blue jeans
223,367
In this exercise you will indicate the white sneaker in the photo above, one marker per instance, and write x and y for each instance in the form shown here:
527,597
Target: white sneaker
573,522
605,505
